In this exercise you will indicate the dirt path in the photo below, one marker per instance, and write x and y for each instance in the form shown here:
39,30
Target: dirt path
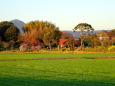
36,59
111,58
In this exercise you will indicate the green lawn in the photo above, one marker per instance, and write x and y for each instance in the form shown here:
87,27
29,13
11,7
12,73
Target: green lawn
63,72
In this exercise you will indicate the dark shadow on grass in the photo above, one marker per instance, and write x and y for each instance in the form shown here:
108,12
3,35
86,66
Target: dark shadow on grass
13,81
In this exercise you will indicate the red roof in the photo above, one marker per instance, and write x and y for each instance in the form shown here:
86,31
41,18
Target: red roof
62,41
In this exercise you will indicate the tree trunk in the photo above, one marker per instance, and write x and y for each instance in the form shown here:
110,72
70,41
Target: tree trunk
81,42
12,47
49,45
102,43
81,39
6,49
58,47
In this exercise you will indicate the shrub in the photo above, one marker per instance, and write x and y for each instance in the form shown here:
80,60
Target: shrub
80,48
61,49
111,48
101,49
91,49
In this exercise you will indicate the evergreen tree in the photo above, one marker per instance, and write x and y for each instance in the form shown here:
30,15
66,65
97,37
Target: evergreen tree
11,33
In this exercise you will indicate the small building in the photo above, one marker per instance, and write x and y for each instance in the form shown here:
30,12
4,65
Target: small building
36,46
103,37
62,43
23,47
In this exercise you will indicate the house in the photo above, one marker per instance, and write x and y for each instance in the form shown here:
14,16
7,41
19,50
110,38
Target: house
23,47
103,37
113,40
62,43
36,46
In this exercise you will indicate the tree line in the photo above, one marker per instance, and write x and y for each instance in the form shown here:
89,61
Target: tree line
49,34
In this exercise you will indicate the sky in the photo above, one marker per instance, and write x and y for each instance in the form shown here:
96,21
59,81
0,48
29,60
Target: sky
65,14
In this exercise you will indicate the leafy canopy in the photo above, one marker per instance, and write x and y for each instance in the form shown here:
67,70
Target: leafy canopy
84,28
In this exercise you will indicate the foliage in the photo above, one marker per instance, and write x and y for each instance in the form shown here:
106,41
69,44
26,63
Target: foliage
104,38
103,32
65,35
8,31
93,49
70,42
12,43
111,48
111,33
61,49
5,45
48,36
80,48
20,38
92,40
31,36
11,33
47,32
84,29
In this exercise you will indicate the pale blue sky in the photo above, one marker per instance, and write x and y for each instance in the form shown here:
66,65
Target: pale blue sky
65,14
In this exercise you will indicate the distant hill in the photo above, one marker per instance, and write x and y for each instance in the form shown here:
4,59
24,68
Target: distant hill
78,33
18,24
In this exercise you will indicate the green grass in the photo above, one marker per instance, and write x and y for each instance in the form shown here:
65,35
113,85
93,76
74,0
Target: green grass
80,72
68,72
54,55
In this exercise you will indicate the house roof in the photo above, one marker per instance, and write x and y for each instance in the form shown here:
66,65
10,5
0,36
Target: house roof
36,44
62,41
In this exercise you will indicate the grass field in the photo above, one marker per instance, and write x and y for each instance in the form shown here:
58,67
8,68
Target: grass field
62,72
52,55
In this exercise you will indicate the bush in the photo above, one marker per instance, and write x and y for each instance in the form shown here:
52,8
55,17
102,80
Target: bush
80,48
64,49
91,49
111,48
61,49
101,49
